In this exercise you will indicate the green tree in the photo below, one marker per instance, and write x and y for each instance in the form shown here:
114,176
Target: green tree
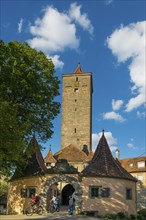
28,88
3,187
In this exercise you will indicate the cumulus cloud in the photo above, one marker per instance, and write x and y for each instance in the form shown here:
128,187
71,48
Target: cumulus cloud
57,31
131,146
132,48
20,24
113,116
116,104
54,32
81,19
112,142
57,62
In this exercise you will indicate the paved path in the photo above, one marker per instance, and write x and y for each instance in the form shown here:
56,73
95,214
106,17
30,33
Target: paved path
48,216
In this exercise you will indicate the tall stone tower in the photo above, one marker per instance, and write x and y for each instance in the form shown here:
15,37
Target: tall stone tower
77,110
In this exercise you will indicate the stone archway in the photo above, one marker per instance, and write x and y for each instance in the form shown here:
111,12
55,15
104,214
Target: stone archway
64,178
67,191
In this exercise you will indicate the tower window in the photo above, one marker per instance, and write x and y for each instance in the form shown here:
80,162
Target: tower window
75,100
76,79
76,90
75,109
75,130
129,194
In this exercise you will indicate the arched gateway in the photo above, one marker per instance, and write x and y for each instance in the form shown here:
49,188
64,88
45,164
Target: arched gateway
69,180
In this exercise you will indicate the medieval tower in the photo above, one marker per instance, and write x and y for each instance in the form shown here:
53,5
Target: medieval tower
77,110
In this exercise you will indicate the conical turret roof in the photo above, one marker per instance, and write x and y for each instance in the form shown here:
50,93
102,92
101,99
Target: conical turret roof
78,69
49,158
103,163
34,164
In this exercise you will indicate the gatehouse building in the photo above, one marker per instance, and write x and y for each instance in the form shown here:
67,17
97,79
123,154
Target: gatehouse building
98,181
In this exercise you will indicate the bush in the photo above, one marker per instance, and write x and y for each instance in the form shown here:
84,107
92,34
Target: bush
142,212
109,216
120,215
140,217
132,217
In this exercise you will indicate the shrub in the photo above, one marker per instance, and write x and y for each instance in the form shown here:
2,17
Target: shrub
132,217
140,217
120,215
142,212
109,216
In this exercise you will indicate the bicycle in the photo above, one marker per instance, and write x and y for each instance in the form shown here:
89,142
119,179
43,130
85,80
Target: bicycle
33,209
53,208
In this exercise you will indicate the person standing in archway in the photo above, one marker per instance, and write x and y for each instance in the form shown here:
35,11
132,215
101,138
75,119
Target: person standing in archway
71,205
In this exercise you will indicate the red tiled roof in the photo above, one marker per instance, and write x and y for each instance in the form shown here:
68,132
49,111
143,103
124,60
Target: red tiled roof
49,158
103,163
131,164
90,155
78,70
71,154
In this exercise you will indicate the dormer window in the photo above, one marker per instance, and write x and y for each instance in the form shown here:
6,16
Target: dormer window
131,165
141,164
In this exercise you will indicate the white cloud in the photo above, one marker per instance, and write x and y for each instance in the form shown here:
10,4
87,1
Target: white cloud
81,19
128,43
20,24
57,62
56,31
116,104
109,137
131,146
113,116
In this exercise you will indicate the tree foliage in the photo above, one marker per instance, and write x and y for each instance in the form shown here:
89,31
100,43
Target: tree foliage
28,88
3,187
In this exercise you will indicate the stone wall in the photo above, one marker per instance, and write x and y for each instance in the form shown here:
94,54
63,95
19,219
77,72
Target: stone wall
76,110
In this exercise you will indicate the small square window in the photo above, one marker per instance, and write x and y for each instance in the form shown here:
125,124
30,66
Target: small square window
141,164
129,194
94,191
76,90
105,192
140,177
31,191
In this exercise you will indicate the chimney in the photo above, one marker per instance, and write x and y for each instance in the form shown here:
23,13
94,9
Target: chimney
117,154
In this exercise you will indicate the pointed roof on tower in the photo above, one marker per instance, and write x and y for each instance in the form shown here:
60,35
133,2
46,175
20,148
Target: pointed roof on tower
49,157
103,163
34,162
78,69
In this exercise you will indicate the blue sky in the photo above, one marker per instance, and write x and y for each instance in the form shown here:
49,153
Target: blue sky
108,38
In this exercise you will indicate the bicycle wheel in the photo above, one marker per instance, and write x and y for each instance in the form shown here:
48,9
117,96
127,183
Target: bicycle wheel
40,210
29,211
51,209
